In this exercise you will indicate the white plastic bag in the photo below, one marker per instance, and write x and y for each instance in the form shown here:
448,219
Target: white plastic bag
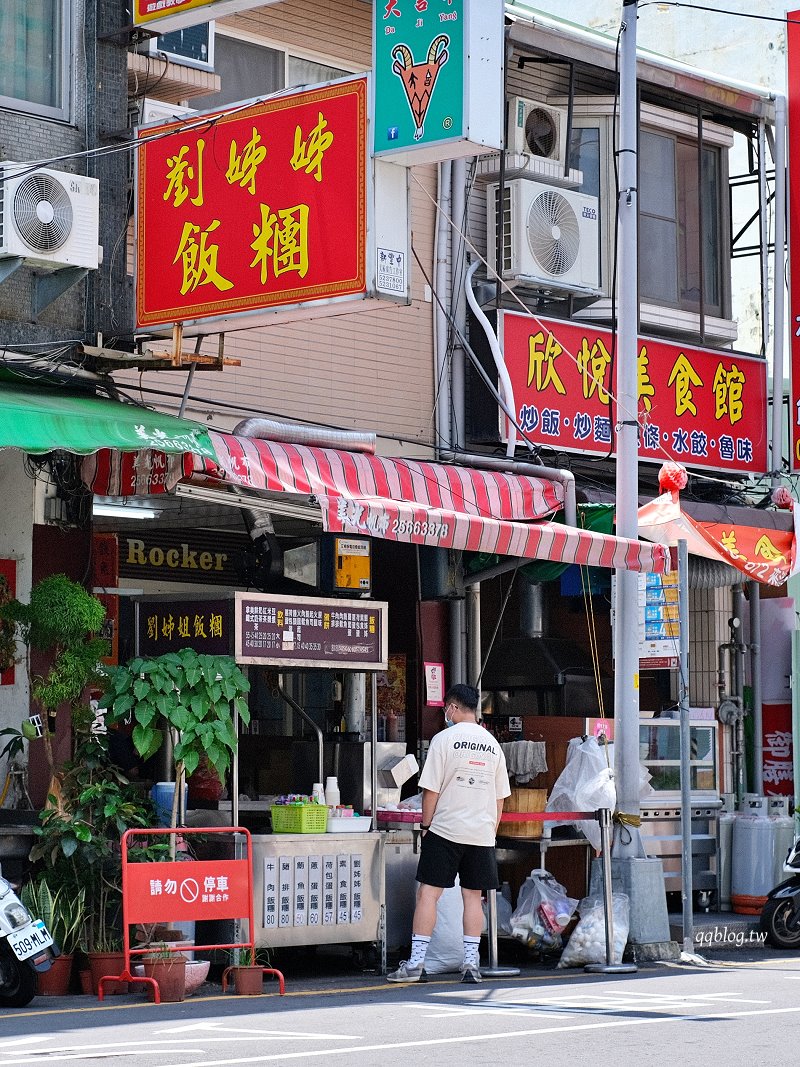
446,949
543,910
585,784
587,943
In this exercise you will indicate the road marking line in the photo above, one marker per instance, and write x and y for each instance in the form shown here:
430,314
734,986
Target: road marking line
215,1027
497,1037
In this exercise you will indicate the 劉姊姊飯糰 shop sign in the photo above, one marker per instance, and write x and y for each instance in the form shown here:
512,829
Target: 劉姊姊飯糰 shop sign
269,210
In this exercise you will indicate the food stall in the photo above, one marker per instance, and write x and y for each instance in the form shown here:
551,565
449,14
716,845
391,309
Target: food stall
324,881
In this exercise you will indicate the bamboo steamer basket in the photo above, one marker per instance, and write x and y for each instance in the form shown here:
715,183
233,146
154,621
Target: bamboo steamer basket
523,799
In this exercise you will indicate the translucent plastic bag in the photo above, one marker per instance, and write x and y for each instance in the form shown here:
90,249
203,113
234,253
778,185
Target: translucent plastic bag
585,784
587,943
446,949
543,910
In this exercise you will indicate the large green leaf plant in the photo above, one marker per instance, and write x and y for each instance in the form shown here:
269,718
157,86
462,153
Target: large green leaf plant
191,694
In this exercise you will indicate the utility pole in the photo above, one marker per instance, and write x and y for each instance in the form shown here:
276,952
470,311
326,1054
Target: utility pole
641,878
626,651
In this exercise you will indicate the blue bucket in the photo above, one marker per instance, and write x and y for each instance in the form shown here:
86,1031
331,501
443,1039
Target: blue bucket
162,795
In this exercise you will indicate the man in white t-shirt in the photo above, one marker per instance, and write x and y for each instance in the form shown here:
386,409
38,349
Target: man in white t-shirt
464,784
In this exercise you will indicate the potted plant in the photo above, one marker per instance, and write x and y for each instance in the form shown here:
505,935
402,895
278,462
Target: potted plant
248,974
78,844
190,694
60,621
168,968
63,913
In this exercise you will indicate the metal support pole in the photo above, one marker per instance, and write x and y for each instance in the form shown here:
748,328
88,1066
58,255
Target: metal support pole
373,749
474,635
494,970
626,651
609,967
687,895
755,678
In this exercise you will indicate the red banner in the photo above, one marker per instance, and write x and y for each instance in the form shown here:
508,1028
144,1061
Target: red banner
702,407
793,110
180,891
777,767
254,207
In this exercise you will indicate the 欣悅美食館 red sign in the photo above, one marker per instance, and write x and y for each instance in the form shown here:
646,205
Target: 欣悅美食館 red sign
253,208
701,407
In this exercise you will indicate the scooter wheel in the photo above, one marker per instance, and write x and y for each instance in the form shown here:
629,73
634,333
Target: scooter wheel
17,982
780,923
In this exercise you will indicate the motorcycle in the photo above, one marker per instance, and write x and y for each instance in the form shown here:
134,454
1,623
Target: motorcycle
26,948
780,917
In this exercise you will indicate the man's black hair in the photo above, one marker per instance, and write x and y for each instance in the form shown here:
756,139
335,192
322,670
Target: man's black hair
467,695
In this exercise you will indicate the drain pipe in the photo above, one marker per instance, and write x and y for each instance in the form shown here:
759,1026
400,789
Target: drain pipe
506,389
458,312
441,386
551,474
776,451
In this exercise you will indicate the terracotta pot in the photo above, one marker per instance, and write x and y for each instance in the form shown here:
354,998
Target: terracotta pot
103,963
205,784
86,982
247,981
171,977
55,982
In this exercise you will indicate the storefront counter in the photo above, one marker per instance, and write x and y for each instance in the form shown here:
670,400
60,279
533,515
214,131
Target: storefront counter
313,889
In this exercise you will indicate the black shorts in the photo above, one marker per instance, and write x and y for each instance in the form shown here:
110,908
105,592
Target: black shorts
441,860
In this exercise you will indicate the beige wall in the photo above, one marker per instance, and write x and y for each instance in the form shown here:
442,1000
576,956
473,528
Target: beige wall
370,370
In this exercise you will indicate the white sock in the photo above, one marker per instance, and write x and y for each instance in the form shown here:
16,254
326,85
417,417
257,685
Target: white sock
471,947
419,946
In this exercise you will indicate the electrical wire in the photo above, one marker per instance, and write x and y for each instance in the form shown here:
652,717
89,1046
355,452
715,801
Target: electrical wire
716,10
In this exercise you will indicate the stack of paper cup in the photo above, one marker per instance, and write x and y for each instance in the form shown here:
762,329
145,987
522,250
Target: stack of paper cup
332,798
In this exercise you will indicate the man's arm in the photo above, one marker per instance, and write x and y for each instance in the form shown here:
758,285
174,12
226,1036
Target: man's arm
500,805
429,802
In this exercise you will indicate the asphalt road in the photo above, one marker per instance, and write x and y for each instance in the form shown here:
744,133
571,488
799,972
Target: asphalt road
741,1008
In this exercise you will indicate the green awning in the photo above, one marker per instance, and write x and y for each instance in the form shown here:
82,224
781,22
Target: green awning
42,420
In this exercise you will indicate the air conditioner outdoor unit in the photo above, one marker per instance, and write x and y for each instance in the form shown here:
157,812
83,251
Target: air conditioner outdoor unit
151,110
49,218
550,236
537,130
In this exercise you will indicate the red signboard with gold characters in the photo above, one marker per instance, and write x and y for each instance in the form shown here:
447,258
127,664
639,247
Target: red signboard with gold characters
253,208
702,407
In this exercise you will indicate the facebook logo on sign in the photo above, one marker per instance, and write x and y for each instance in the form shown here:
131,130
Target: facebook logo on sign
392,133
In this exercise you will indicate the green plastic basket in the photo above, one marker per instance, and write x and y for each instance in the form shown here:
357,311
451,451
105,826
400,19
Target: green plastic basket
299,818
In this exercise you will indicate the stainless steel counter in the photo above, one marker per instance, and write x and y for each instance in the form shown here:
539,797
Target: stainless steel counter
313,889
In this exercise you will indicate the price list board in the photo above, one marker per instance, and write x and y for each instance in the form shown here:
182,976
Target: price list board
275,630
659,621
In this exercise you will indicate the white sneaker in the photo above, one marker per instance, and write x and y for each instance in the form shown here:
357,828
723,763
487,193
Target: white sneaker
471,975
406,973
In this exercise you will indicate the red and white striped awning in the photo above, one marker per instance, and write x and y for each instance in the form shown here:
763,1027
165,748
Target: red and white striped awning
409,500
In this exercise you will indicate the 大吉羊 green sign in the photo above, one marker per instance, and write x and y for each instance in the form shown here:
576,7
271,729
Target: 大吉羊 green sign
438,78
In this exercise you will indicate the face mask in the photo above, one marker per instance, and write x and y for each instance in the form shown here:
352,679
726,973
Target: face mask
447,720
